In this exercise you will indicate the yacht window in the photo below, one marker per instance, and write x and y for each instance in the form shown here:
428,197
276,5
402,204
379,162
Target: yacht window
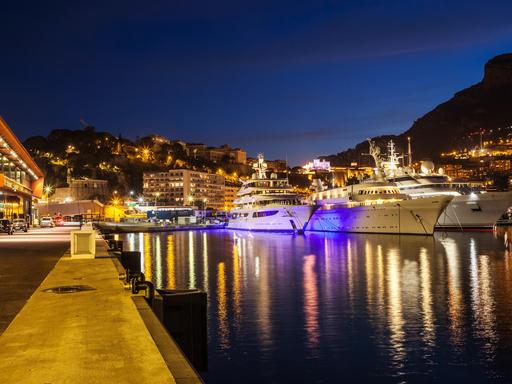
264,213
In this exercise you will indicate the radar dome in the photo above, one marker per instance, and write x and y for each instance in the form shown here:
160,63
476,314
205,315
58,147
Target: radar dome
427,166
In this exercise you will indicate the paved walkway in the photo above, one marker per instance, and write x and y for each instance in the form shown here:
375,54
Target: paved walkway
95,336
25,260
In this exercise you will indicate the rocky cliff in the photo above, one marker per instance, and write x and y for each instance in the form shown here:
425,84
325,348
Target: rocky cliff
486,105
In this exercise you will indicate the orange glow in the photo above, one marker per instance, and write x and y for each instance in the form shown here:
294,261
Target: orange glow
171,278
223,310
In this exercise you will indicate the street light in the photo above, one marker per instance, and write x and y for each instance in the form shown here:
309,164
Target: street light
204,208
131,193
157,195
115,202
47,191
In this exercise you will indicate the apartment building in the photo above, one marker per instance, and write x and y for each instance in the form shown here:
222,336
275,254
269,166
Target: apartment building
184,187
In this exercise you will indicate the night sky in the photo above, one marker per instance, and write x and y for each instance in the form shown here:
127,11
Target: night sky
287,78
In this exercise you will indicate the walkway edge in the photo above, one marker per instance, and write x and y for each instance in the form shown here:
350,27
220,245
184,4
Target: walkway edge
180,367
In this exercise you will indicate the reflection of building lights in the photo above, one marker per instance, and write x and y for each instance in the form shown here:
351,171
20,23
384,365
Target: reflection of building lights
426,298
171,274
311,301
191,266
222,307
455,303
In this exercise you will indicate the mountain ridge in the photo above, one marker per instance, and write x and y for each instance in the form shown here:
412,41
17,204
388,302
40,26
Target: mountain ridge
486,105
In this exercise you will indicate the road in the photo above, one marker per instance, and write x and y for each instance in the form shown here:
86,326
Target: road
25,260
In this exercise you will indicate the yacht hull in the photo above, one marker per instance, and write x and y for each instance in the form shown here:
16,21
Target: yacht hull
290,218
478,211
416,217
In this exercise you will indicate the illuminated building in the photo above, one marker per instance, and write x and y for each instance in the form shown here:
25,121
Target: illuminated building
318,165
81,189
216,154
184,187
230,192
21,180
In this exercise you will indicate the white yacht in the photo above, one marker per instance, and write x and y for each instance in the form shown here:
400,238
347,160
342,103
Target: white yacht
374,207
471,208
268,204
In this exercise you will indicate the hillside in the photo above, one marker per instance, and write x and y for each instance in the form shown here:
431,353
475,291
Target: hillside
486,106
91,154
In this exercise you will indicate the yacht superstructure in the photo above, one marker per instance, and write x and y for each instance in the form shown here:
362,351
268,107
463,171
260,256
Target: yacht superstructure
268,204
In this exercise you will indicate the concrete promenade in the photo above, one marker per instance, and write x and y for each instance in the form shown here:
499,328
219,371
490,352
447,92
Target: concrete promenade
25,260
94,336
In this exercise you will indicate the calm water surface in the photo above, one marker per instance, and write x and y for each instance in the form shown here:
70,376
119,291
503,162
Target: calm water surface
324,308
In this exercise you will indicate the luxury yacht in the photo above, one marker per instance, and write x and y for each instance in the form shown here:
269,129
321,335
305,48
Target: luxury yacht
268,204
374,207
470,208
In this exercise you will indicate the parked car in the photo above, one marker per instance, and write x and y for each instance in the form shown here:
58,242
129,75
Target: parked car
58,221
46,222
20,225
6,226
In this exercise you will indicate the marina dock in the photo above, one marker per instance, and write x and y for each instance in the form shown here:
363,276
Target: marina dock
99,334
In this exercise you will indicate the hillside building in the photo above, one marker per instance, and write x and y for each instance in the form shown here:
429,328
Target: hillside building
216,154
184,187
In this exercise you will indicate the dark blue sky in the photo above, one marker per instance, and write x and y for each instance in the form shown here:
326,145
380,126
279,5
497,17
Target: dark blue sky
289,78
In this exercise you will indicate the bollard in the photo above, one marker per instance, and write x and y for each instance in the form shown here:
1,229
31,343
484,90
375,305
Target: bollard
108,236
116,245
183,313
131,260
143,285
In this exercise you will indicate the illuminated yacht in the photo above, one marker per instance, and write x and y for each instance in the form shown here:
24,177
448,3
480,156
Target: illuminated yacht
268,204
470,207
374,207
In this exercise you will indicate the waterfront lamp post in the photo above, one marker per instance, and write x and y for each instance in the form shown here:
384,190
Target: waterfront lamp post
115,202
47,191
157,195
204,208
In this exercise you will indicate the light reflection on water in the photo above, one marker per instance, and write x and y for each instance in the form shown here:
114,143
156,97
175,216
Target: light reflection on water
325,307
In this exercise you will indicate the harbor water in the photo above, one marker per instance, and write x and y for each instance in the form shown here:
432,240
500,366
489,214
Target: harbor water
328,308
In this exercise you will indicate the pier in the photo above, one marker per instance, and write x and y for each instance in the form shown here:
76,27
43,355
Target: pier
97,333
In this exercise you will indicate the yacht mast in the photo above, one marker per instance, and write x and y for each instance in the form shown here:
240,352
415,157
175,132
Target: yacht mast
260,167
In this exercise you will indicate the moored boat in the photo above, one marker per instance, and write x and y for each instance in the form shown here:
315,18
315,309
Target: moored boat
268,204
375,207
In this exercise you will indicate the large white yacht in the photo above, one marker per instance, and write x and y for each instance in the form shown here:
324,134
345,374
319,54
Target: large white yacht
374,207
471,208
268,204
